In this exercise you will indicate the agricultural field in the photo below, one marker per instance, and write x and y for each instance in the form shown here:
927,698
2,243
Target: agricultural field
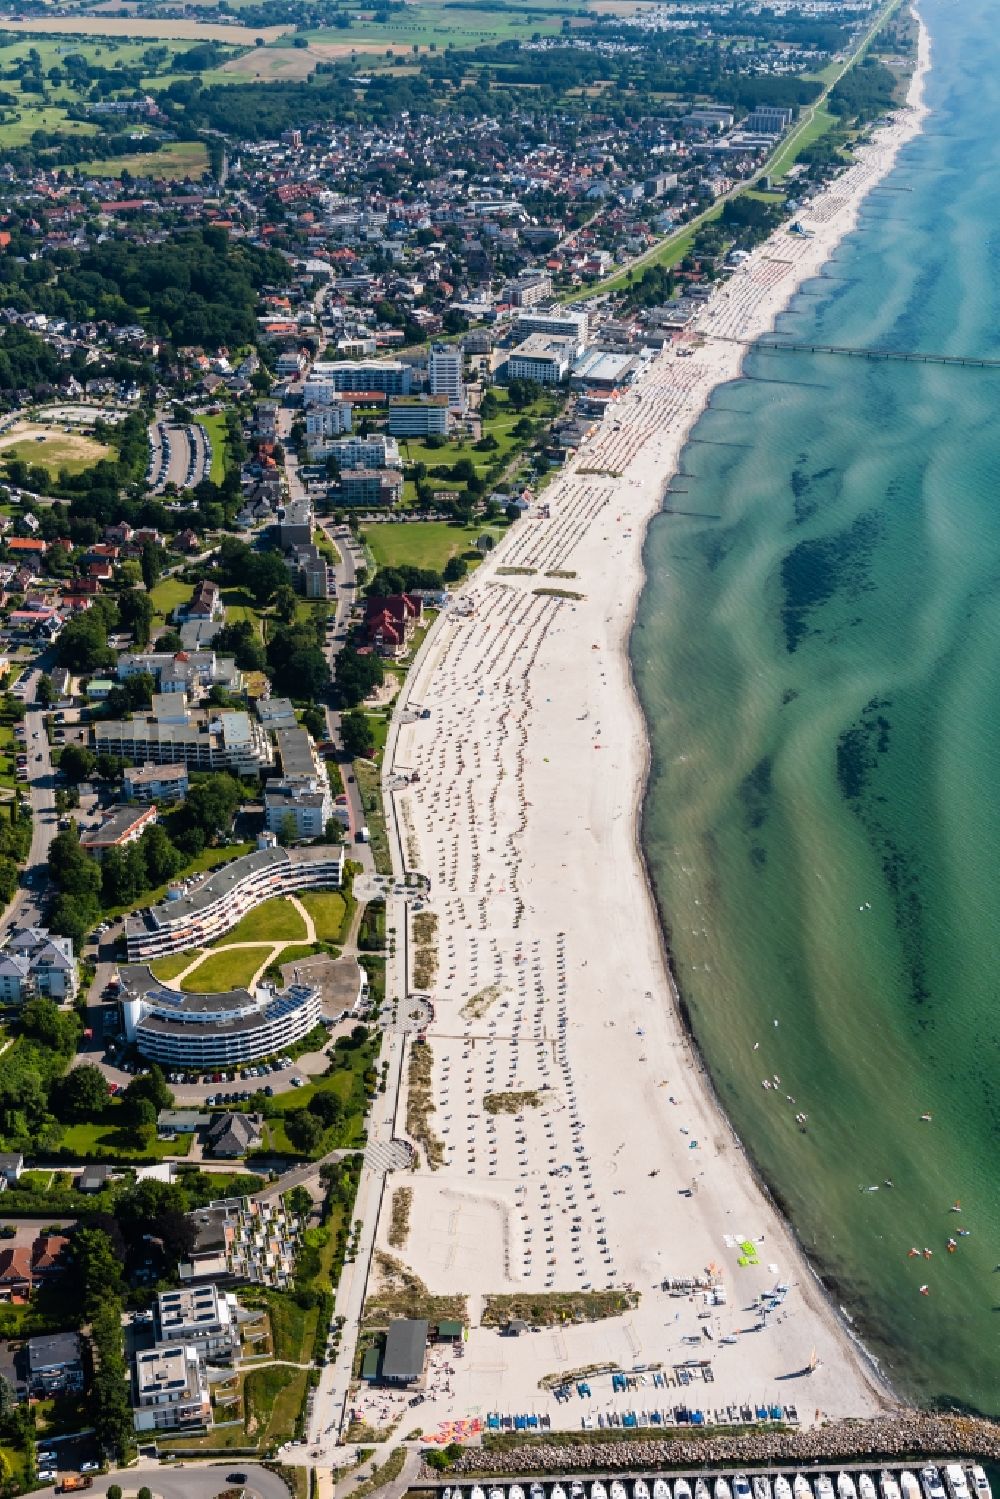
141,28
46,447
172,163
436,27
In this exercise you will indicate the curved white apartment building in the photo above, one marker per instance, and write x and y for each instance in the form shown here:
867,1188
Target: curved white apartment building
192,918
213,1030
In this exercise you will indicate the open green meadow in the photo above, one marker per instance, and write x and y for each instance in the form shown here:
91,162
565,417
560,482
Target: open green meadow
429,544
173,162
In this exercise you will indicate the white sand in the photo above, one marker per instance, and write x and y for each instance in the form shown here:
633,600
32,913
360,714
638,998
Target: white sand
524,817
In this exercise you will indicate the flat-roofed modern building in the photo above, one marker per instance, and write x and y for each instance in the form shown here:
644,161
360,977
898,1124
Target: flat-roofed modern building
542,357
192,918
225,741
171,1390
156,783
180,1029
203,1316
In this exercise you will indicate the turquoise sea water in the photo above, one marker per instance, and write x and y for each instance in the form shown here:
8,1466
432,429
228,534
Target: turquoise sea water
819,669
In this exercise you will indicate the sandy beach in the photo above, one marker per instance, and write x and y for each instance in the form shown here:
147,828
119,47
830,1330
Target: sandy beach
615,1166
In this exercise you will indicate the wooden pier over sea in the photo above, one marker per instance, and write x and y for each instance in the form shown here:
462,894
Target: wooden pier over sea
768,344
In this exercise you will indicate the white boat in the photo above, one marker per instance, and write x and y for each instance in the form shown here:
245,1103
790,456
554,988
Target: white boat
478,1492
640,1489
908,1485
930,1482
661,1489
597,1490
955,1482
618,1489
866,1486
536,1491
741,1489
800,1487
516,1491
700,1489
576,1491
846,1487
496,1493
721,1489
782,1488
887,1485
824,1486
980,1483
761,1486
682,1490
558,1492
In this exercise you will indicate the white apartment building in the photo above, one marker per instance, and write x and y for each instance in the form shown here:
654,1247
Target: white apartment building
327,421
201,1316
377,451
302,792
543,358
557,322
156,783
444,374
227,741
171,1390
192,918
183,1029
33,962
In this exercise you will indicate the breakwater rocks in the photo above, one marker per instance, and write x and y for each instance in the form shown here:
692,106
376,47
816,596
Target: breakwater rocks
906,1435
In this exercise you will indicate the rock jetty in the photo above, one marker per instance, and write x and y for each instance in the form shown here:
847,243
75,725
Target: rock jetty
906,1435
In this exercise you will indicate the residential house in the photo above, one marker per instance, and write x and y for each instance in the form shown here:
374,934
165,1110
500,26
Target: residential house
390,622
231,1136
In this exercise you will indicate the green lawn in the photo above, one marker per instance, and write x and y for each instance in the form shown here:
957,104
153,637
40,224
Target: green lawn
328,909
274,921
167,594
239,606
821,122
224,970
174,963
119,1139
215,426
422,25
429,543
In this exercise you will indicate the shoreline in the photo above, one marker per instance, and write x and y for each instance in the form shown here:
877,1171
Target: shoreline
552,960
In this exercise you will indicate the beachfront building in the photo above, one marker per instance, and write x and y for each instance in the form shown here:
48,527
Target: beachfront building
377,487
177,1028
329,379
243,1239
193,918
182,671
202,1316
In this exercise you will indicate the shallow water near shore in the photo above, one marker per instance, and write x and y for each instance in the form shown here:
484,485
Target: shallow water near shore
818,670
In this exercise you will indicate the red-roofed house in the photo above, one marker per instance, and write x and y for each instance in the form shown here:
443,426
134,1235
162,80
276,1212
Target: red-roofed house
390,622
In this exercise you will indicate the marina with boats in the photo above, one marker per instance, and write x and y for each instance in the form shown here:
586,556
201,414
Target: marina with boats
950,1480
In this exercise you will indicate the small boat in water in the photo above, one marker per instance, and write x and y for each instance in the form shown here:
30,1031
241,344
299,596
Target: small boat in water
577,1491
824,1486
496,1493
846,1487
536,1491
478,1492
866,1486
597,1490
930,1482
516,1491
955,1482
721,1489
558,1492
887,1485
661,1489
761,1486
908,1485
700,1489
800,1487
782,1488
618,1490
741,1489
640,1489
980,1483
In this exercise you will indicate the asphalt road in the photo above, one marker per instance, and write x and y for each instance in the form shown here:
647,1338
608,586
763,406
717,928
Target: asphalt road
190,1481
